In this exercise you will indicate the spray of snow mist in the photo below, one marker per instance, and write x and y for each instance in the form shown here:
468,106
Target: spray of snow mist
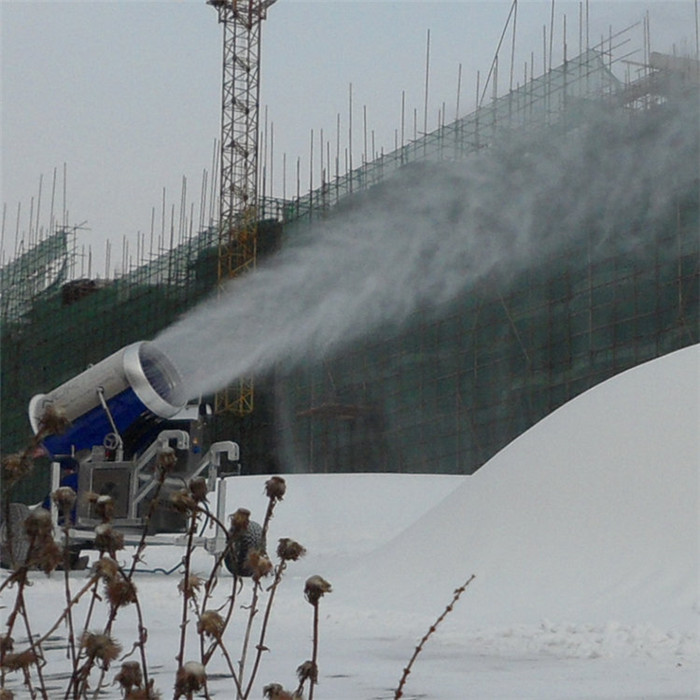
433,231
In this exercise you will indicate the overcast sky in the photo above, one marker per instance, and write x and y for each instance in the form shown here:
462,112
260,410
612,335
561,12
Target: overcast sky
126,95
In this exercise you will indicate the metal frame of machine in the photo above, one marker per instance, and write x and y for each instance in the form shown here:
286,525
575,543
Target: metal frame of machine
123,412
139,484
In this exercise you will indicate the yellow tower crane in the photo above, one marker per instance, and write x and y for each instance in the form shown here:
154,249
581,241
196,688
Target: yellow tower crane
238,177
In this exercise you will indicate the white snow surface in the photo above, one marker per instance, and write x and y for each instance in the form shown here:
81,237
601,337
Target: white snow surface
582,535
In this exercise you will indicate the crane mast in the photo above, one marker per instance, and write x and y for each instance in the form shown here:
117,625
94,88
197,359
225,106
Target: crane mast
238,177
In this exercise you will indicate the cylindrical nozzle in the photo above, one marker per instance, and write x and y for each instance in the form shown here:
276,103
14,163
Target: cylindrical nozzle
135,380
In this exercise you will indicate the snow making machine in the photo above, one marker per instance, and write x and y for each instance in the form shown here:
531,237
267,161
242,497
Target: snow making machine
122,413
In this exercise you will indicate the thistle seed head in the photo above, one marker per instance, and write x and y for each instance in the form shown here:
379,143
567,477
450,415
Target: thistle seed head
199,489
64,497
38,524
289,550
182,501
240,520
120,592
21,661
15,467
103,505
315,588
129,676
211,624
46,555
107,539
167,459
274,691
190,678
101,646
53,421
308,671
191,585
275,488
106,568
259,565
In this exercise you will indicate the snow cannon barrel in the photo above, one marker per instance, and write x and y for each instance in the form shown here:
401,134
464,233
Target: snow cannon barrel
135,382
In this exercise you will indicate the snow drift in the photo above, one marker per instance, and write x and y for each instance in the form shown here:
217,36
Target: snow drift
583,535
591,514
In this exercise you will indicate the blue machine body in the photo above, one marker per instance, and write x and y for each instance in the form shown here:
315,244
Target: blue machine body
93,426
135,383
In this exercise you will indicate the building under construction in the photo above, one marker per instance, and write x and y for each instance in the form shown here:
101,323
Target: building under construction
448,388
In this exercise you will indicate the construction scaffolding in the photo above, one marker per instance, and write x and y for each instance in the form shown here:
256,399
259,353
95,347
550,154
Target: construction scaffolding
37,272
543,103
440,395
444,394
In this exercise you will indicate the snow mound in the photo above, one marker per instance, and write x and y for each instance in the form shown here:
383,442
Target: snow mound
590,517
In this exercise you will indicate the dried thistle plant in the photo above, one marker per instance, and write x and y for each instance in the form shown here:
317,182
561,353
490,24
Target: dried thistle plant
96,650
308,671
100,646
129,677
289,550
182,501
103,506
14,468
240,521
106,568
274,691
190,585
108,540
190,678
211,624
275,488
120,592
455,597
314,589
20,661
43,552
199,489
64,497
167,460
52,422
38,524
259,564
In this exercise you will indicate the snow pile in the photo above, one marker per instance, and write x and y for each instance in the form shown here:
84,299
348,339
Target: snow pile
583,535
591,515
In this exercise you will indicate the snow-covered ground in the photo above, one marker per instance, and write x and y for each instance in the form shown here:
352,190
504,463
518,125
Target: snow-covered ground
582,534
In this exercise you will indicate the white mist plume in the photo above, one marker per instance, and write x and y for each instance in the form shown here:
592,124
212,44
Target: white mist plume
422,238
